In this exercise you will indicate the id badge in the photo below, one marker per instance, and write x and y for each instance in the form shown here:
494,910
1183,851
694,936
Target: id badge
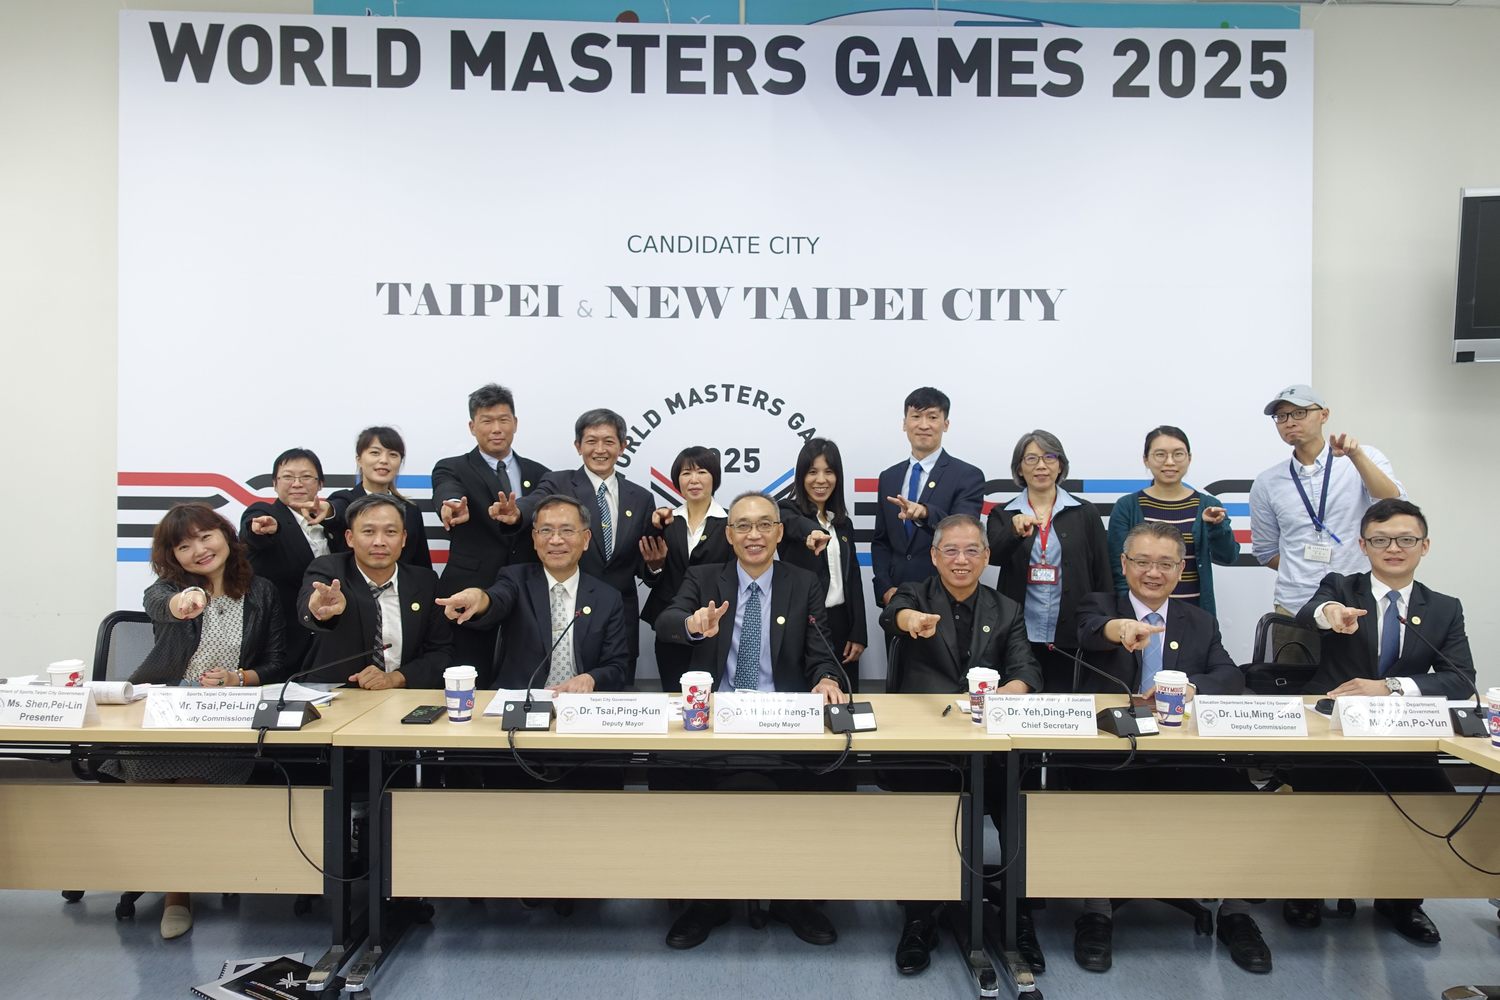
1318,553
1042,573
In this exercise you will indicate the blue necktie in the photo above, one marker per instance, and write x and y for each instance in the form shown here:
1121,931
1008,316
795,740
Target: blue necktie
747,656
913,490
1151,655
606,528
1390,633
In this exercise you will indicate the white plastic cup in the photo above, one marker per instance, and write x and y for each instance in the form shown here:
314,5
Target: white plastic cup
458,690
982,682
1493,697
1171,697
66,674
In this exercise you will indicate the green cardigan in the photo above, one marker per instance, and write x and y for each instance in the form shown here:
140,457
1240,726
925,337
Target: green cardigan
1215,543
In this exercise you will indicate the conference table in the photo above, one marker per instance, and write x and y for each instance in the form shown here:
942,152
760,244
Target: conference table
123,837
898,845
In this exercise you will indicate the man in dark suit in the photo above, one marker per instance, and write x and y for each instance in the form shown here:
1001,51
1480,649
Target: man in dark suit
283,536
365,598
1131,637
752,623
478,545
625,543
918,493
1381,657
533,605
948,625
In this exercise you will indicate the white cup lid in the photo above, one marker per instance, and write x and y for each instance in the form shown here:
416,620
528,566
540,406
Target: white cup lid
1170,677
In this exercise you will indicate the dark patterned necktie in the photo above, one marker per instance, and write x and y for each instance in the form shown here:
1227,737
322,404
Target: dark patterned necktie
377,652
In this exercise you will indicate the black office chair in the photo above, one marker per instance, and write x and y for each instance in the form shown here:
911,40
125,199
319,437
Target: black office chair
893,664
1284,658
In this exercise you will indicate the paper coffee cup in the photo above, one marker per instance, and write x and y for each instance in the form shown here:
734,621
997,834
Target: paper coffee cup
696,687
1493,697
458,692
982,681
66,673
1171,697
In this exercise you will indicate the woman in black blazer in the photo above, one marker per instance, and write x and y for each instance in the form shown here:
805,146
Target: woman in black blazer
816,504
1051,550
694,536
379,452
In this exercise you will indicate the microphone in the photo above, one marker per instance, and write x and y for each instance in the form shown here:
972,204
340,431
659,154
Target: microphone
855,717
1132,720
279,716
519,715
1465,723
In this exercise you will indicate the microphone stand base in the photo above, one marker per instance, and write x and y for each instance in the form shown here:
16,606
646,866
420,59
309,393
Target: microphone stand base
292,715
855,717
1127,721
1467,721
535,718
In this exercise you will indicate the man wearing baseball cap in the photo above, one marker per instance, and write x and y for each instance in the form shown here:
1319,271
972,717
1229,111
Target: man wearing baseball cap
1304,512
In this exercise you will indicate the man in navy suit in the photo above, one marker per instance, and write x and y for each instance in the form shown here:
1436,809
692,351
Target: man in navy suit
625,544
478,545
917,494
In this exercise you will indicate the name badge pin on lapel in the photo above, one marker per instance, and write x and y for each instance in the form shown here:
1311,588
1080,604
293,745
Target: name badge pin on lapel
526,483
587,610
630,513
932,484
1415,620
986,628
1173,644
781,619
415,606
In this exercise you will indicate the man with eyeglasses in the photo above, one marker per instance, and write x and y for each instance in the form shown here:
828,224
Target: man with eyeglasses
1131,637
1304,513
949,624
752,626
534,604
1366,621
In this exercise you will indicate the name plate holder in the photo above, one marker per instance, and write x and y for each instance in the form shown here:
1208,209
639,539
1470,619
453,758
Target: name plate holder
1220,715
780,714
201,708
1391,715
38,707
612,713
1040,715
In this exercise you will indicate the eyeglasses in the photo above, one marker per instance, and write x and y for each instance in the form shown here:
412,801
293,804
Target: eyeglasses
1030,461
308,478
1161,456
765,526
1402,541
567,532
1164,565
953,552
1300,413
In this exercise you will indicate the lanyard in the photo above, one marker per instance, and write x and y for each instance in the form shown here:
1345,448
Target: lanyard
1045,528
1317,519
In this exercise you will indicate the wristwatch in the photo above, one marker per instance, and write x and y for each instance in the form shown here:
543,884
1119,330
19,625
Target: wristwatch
1393,684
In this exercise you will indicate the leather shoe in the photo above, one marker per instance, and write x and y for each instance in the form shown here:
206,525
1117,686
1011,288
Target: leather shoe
1409,920
1246,947
1093,944
913,952
1302,912
176,921
805,920
693,927
1029,948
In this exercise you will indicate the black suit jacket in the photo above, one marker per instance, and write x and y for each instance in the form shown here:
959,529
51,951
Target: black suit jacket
479,547
1085,561
282,558
952,487
625,565
1438,617
933,665
1199,652
521,605
415,552
793,550
713,549
799,659
426,637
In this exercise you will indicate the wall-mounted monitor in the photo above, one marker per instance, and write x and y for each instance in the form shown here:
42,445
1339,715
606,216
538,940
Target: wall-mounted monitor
1476,317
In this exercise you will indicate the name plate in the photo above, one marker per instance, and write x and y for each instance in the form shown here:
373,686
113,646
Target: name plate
757,712
1392,715
1040,715
201,708
1219,715
48,707
611,713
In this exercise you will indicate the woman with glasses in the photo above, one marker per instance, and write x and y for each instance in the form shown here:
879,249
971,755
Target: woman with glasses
820,538
1200,517
378,452
693,535
1051,550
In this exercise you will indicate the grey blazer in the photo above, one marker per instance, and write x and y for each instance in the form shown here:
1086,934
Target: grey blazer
262,649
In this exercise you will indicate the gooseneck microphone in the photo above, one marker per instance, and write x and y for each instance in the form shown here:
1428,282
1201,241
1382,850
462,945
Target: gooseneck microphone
294,715
518,715
1465,722
1132,720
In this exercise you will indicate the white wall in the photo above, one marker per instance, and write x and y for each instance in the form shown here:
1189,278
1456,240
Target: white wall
1404,117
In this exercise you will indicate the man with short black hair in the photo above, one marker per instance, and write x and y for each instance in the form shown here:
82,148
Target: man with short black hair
918,493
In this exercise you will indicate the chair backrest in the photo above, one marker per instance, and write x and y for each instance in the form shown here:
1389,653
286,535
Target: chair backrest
1285,657
125,637
893,664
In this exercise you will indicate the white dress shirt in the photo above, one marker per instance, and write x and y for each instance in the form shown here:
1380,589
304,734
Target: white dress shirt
317,537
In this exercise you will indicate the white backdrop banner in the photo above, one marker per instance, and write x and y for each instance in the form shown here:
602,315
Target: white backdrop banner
737,237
